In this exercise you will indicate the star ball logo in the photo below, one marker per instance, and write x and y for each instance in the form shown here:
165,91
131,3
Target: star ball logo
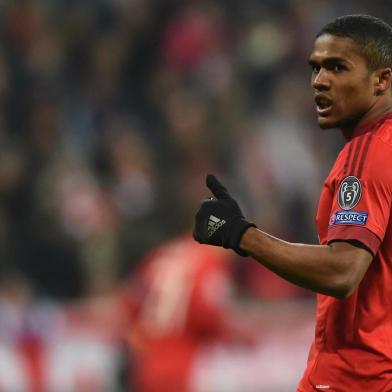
349,193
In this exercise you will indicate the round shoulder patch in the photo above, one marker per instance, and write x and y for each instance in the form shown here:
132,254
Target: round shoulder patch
349,193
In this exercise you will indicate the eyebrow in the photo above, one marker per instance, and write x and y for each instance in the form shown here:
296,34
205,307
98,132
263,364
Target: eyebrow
328,61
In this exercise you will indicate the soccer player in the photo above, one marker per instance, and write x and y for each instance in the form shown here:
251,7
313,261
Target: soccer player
165,298
351,269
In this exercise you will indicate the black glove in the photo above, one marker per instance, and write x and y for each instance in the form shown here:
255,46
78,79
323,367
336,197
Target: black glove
220,221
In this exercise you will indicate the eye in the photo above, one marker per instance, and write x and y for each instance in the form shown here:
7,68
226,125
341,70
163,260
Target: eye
315,68
338,68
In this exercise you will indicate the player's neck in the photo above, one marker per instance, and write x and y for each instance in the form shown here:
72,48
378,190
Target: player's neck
379,110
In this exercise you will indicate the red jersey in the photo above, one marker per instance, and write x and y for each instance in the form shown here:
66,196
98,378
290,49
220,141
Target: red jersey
352,350
183,293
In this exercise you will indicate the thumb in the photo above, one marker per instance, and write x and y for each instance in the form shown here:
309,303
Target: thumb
217,189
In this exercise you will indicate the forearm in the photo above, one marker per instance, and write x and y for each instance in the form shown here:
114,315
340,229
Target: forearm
334,270
320,268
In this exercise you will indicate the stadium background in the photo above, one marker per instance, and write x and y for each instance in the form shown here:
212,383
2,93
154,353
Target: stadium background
112,112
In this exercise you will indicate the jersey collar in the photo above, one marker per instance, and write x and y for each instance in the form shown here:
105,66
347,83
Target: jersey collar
370,125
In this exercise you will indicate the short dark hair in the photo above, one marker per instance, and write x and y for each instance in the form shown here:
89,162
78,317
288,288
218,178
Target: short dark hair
372,35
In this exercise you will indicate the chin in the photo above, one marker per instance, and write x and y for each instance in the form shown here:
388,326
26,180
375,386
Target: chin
325,123
338,123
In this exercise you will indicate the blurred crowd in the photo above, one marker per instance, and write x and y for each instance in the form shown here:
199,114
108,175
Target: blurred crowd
113,111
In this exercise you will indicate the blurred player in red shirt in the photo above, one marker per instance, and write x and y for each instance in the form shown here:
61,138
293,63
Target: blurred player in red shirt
180,300
351,269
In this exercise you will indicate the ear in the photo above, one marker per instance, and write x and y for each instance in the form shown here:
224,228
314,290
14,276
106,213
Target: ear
382,81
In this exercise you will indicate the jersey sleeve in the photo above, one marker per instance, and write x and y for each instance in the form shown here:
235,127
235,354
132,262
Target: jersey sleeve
362,201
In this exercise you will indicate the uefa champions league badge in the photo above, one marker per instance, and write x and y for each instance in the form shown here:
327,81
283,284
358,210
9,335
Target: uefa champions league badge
349,193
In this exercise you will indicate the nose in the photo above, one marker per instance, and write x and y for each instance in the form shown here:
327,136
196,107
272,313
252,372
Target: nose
320,81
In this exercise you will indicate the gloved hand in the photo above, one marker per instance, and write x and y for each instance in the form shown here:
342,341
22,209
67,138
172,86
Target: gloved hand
220,221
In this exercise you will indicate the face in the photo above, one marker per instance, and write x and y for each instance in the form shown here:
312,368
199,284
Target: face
341,82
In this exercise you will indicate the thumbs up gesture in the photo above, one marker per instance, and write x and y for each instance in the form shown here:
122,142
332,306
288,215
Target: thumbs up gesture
219,220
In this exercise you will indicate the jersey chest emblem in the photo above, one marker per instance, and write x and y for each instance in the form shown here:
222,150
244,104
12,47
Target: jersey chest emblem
349,193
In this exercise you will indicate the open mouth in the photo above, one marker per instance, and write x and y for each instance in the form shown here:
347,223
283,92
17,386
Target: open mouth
323,105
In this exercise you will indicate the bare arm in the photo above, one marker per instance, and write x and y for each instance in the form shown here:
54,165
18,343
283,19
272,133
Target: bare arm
334,270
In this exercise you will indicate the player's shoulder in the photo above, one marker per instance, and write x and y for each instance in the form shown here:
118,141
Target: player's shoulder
383,133
376,162
366,156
